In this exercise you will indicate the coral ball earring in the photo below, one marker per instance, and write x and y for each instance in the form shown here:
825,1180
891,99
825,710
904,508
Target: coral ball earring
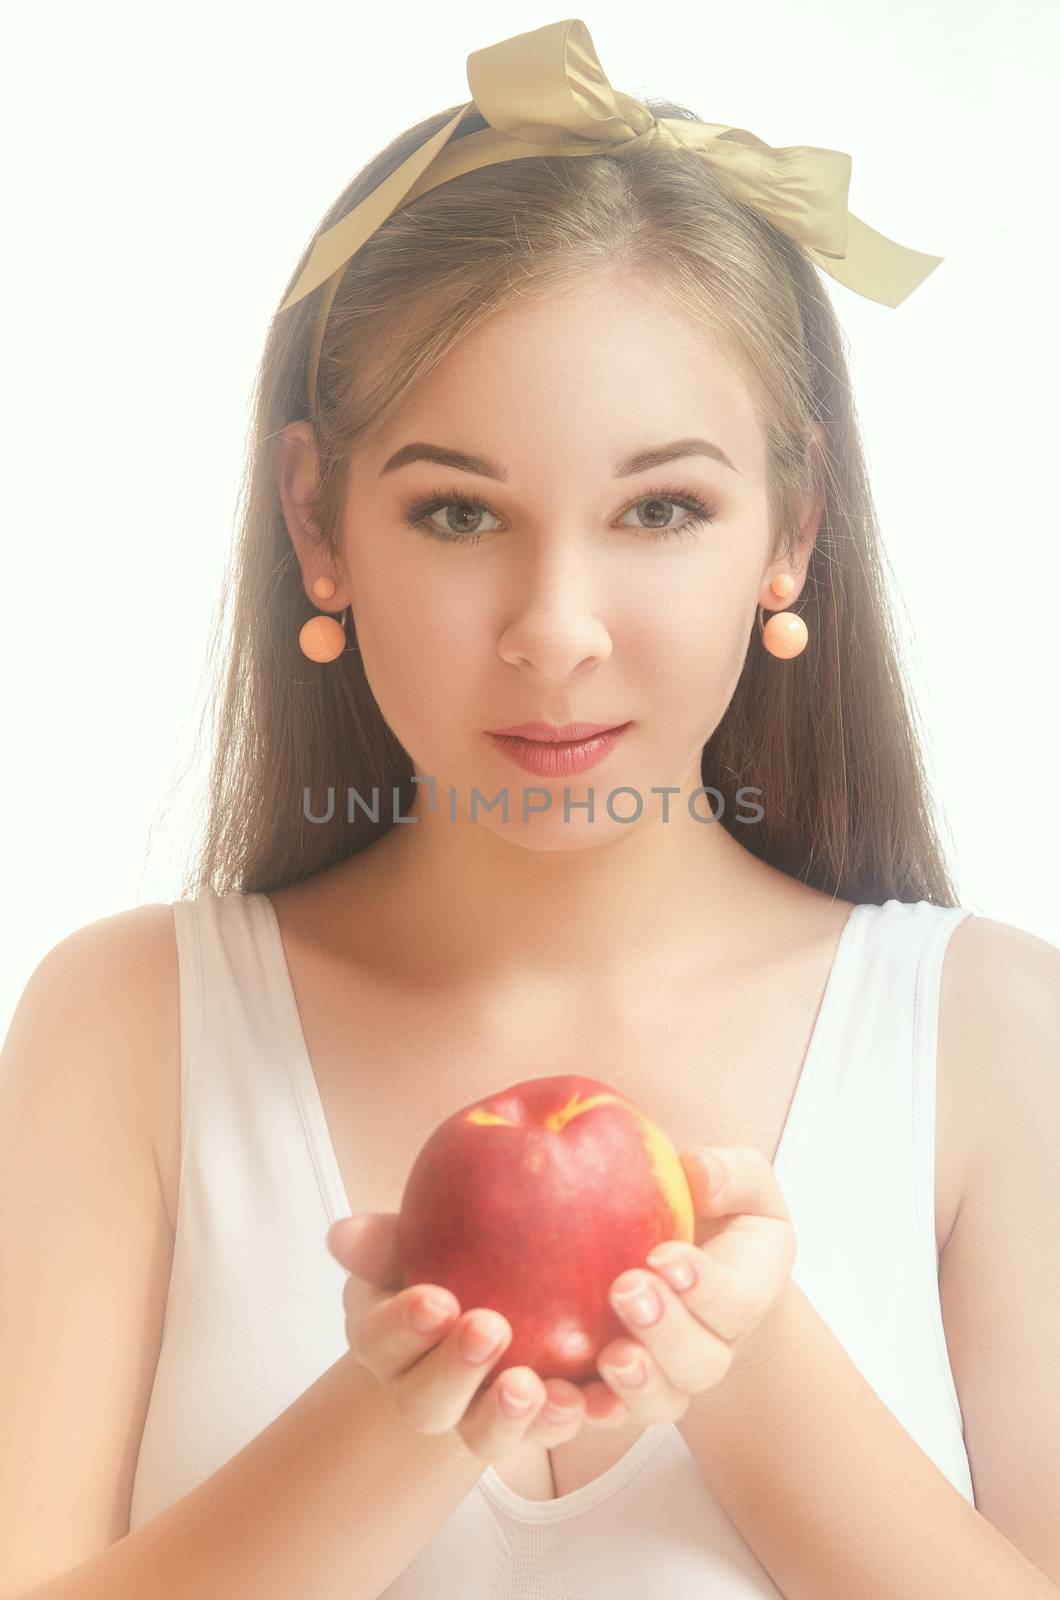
785,634
322,638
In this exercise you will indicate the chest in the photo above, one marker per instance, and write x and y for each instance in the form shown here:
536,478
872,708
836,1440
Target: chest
388,1071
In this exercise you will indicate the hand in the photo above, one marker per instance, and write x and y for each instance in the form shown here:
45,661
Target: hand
432,1385
742,1257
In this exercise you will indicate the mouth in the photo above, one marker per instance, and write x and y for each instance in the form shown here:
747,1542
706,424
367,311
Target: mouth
557,758
547,733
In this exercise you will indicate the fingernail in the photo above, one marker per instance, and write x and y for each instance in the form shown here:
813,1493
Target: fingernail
642,1306
514,1401
477,1345
677,1270
428,1313
632,1375
555,1413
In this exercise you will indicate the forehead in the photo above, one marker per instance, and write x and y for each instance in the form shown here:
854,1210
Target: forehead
585,374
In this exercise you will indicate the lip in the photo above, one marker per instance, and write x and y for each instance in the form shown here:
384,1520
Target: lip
554,758
566,733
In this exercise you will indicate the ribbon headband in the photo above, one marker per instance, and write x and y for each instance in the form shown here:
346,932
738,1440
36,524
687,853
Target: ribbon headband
545,93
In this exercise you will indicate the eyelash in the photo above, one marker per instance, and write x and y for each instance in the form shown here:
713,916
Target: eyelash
417,516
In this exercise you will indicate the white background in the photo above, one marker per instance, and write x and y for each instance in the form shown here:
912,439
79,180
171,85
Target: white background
163,171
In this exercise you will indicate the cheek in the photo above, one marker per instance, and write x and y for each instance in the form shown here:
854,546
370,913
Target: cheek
697,635
677,651
419,663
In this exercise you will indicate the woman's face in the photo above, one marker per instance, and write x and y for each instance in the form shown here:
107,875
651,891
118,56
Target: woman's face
593,590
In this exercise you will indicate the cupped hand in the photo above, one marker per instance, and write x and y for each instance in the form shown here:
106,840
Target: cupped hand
727,1310
429,1384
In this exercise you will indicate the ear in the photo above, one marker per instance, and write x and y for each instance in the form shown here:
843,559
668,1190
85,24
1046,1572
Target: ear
813,507
808,526
296,485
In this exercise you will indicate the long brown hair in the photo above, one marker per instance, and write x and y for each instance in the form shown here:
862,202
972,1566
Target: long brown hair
829,738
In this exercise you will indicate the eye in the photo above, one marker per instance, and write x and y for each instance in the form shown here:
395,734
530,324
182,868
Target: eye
699,512
420,515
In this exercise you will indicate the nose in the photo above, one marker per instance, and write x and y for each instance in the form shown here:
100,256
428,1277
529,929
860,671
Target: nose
554,625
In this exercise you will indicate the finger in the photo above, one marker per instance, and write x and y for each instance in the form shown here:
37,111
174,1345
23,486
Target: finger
561,1416
367,1245
555,1415
396,1331
688,1355
745,1182
435,1392
728,1303
641,1385
499,1421
603,1408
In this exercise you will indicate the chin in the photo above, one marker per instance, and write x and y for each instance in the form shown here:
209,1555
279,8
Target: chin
546,831
553,839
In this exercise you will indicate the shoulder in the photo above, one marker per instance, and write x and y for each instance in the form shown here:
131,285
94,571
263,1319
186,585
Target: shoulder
996,975
999,1027
126,963
138,933
119,978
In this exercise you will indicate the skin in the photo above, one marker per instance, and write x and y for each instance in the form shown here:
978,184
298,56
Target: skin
725,1318
566,610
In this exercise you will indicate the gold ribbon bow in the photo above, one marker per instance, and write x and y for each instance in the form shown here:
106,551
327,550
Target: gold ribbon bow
545,93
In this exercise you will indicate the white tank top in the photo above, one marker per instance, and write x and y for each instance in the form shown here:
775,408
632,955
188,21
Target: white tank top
255,1315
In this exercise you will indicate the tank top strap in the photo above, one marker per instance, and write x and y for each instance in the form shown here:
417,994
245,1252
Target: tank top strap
865,1121
254,1309
246,1136
860,1165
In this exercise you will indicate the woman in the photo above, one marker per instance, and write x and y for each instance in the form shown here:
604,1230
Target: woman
550,439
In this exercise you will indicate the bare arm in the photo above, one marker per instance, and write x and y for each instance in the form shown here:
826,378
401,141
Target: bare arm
818,1474
341,1491
335,1496
334,1499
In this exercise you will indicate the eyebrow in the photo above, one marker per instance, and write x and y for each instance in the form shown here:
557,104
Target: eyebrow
641,461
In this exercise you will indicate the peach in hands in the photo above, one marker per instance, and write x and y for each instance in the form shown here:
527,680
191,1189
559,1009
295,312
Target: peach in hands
531,1203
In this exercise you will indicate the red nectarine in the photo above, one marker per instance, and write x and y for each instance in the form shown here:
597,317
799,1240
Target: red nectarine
531,1203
